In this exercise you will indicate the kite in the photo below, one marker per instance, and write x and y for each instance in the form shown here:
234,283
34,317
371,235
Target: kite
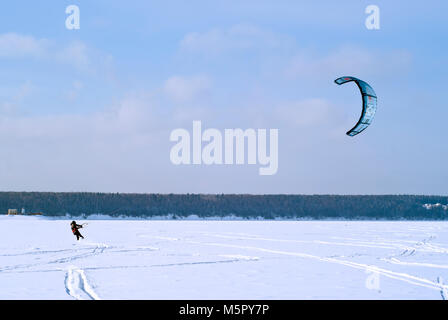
369,104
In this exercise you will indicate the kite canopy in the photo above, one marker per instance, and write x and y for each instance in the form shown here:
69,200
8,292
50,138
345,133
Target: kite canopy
369,104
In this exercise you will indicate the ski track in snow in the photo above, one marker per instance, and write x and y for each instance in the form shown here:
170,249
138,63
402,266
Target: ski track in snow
388,273
76,283
418,281
416,264
77,286
230,259
443,291
423,245
98,249
85,253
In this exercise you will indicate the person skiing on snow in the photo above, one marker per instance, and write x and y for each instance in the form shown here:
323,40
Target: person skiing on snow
75,229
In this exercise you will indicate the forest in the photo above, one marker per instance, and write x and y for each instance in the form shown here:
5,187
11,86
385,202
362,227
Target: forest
244,206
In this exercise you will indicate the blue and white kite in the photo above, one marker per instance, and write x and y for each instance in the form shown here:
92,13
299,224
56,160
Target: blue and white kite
369,104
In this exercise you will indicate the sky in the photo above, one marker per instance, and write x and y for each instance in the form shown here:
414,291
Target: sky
92,109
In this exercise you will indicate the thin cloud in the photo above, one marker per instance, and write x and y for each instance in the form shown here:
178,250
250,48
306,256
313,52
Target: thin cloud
14,45
184,88
76,53
237,37
347,60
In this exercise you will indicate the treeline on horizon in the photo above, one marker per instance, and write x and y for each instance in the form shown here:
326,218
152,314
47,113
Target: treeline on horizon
245,206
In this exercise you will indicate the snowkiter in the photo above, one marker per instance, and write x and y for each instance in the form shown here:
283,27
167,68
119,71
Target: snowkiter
75,229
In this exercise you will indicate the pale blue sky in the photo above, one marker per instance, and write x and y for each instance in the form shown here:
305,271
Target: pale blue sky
92,109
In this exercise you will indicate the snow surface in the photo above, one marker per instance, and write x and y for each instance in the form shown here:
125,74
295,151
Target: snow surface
125,259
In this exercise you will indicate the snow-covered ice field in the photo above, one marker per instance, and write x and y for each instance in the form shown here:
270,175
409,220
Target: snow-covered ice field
125,259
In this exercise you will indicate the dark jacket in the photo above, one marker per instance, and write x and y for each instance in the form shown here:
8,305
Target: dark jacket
75,227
